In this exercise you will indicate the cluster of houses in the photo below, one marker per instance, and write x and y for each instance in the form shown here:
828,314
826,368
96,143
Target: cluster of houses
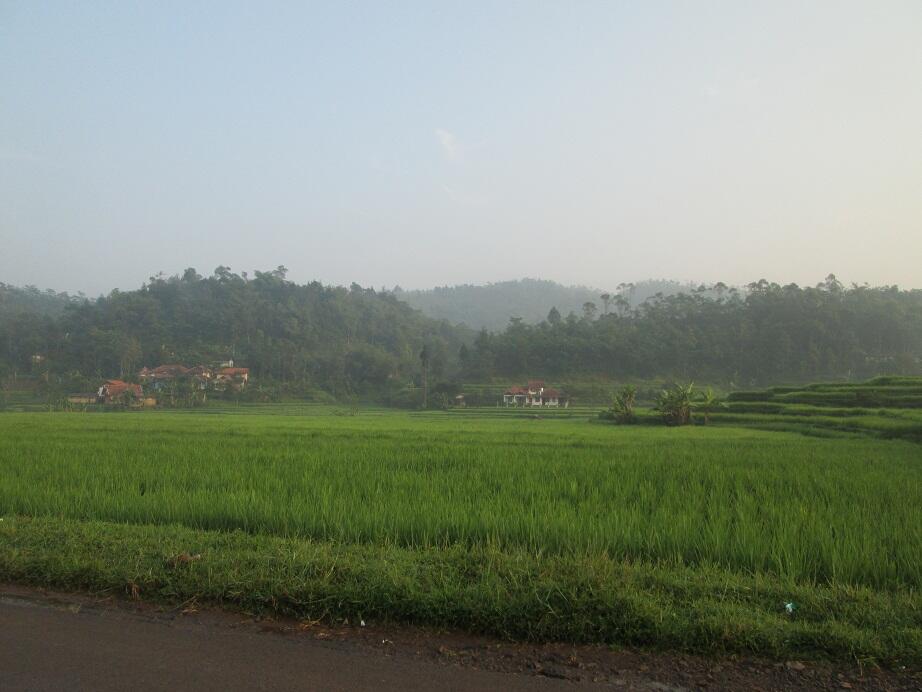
534,393
224,376
165,378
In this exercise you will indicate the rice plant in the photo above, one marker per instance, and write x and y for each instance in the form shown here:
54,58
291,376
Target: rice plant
803,508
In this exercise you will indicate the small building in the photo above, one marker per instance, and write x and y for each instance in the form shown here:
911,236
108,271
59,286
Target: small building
119,392
235,378
201,375
159,377
515,396
533,394
550,397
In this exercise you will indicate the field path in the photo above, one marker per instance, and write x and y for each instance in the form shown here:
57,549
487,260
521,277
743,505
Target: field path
53,641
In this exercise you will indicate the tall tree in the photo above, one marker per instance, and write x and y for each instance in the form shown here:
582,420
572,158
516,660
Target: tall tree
424,358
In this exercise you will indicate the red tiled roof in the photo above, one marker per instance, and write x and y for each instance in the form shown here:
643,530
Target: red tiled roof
535,384
170,369
116,387
550,394
516,390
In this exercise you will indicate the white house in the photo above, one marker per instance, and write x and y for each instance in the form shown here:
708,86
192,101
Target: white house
533,394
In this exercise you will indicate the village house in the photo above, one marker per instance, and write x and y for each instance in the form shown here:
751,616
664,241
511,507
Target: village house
533,394
201,375
221,372
160,377
222,377
235,378
118,392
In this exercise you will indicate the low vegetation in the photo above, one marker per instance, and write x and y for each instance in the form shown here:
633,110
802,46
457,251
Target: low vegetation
688,537
508,592
887,407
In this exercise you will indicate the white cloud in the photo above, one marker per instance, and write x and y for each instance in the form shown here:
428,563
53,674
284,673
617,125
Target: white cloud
451,147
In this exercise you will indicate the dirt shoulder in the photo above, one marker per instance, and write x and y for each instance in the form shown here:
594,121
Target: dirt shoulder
54,640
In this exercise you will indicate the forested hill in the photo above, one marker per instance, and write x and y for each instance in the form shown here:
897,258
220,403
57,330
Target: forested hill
14,300
491,306
341,340
766,334
349,341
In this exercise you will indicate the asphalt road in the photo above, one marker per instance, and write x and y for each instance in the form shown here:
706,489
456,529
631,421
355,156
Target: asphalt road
45,646
67,641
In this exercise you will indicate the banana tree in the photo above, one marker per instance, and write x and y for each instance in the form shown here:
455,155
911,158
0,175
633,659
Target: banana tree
622,406
708,403
675,404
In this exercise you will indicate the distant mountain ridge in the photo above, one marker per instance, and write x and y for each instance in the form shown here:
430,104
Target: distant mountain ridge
492,305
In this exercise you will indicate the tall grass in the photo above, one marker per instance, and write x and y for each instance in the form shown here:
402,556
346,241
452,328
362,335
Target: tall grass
844,511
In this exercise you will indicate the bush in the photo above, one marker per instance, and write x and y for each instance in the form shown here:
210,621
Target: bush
622,406
675,404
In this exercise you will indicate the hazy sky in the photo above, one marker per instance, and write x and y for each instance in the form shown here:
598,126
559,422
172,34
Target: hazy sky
434,142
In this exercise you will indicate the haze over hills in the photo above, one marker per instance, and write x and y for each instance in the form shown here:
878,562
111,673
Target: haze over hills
478,306
30,299
490,306
342,340
359,341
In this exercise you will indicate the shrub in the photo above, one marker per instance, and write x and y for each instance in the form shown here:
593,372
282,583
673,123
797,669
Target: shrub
675,404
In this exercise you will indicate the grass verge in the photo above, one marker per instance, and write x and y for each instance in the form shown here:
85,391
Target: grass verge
509,593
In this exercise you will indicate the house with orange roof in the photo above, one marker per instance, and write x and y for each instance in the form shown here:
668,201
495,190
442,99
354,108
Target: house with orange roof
534,393
118,392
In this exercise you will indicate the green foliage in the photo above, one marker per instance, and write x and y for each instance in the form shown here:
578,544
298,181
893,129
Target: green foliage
904,393
675,404
530,300
31,300
767,334
345,341
492,306
623,406
512,593
883,407
357,342
757,502
708,403
551,529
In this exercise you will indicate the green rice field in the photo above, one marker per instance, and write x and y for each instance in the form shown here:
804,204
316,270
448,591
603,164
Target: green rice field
799,507
759,514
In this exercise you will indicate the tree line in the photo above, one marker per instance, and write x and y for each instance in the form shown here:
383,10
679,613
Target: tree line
762,334
345,341
491,305
358,342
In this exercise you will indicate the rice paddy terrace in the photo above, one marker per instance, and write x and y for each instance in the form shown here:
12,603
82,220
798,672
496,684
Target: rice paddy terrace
535,526
887,407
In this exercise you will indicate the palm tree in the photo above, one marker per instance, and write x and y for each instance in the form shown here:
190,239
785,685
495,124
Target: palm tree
606,302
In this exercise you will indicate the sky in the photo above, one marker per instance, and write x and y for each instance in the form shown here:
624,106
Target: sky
435,143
